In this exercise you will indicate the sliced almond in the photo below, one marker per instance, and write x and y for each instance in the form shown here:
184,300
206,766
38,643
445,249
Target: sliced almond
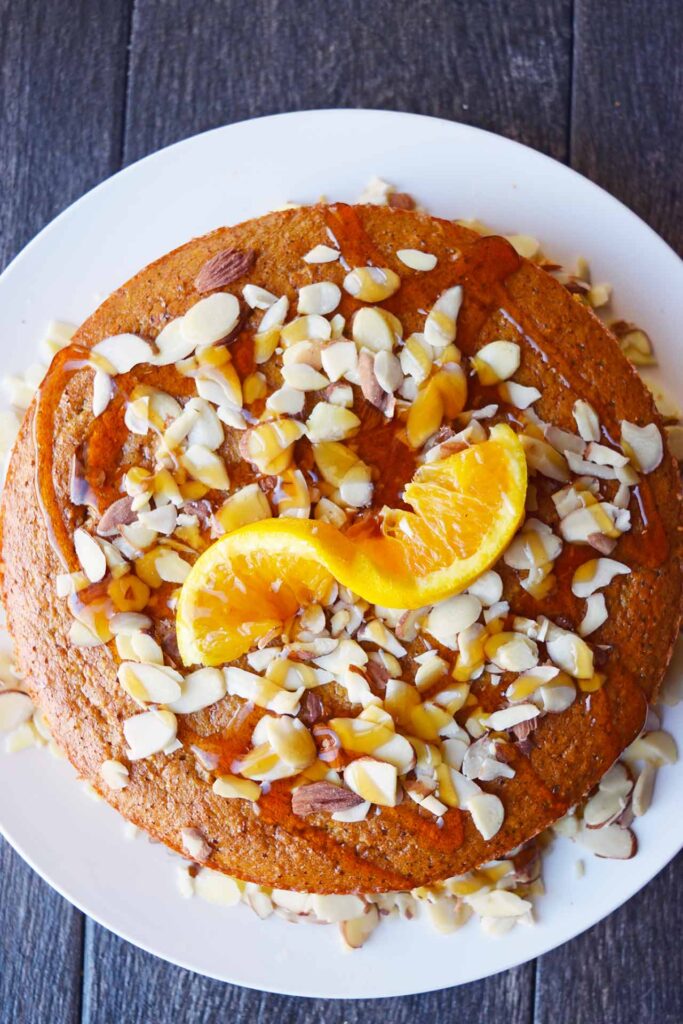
643,789
452,616
199,690
16,708
303,377
211,319
321,254
172,345
195,844
114,774
356,931
416,259
339,359
371,284
507,718
657,748
643,445
231,787
498,903
171,567
372,329
570,653
487,814
587,422
320,298
121,352
333,908
612,842
497,361
594,616
440,325
258,298
372,780
149,733
153,684
90,555
204,465
331,423
518,395
596,574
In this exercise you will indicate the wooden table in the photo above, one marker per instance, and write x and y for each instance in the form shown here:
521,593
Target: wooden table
88,86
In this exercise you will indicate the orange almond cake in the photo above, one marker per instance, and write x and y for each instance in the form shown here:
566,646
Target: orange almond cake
340,550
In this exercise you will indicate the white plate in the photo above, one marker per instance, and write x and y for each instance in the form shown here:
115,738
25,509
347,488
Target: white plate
223,177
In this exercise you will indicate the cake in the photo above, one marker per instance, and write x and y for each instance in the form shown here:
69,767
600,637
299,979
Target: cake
230,393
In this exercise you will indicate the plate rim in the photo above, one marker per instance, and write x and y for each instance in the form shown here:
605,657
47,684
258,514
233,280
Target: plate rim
661,859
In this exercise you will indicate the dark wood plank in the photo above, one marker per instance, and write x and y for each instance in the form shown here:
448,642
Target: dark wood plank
61,119
504,66
131,987
500,65
41,938
626,970
627,119
63,69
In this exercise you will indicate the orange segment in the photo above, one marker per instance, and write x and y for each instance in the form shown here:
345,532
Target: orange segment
466,509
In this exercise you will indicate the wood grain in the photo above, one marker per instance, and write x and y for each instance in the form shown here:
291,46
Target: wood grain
627,111
74,104
500,65
61,123
626,970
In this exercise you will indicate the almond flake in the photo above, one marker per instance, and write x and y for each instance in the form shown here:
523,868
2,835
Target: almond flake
172,344
487,814
440,325
195,844
643,445
199,690
372,780
331,423
16,707
320,298
452,616
103,391
321,254
587,422
114,774
149,733
507,718
151,684
371,284
90,555
171,567
594,616
303,377
416,259
211,319
518,395
596,574
372,329
258,298
611,841
286,400
496,361
121,352
339,359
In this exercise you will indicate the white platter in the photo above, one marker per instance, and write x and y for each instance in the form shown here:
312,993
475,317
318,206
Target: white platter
222,177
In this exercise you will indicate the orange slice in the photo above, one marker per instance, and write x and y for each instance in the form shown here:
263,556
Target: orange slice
465,510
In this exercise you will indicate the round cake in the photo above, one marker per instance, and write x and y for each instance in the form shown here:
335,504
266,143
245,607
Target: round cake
340,549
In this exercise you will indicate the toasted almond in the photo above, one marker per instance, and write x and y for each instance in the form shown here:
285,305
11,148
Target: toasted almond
321,254
323,798
320,298
371,284
643,445
118,513
16,707
211,319
115,774
224,268
199,690
416,259
90,555
149,733
496,361
121,352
